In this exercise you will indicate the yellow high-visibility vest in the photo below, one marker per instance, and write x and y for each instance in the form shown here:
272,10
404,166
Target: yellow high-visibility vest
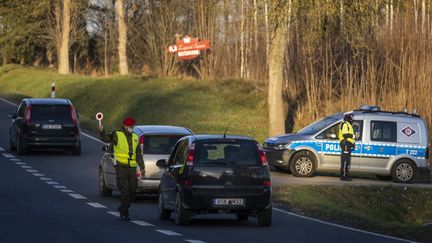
121,150
346,128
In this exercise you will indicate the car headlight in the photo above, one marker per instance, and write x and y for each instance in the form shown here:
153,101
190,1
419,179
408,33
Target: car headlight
283,146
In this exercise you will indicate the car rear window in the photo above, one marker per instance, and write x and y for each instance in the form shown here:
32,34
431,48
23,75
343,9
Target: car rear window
56,113
226,153
160,144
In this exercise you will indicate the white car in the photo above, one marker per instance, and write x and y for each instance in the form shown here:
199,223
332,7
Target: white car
158,144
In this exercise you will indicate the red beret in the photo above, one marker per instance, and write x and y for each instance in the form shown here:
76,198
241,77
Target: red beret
129,121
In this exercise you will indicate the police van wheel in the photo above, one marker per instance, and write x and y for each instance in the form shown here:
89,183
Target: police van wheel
103,189
303,164
404,171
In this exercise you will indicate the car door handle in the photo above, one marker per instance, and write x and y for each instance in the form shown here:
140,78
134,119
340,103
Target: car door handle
319,144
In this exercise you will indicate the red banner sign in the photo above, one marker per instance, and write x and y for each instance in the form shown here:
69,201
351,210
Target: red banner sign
189,48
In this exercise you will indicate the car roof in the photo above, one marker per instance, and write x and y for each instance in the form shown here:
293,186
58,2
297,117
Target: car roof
387,115
162,130
220,137
48,101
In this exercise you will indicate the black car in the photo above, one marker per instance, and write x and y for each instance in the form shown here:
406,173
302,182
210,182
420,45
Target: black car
45,123
216,174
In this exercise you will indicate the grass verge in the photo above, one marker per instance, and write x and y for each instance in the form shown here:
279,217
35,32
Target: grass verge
398,211
205,106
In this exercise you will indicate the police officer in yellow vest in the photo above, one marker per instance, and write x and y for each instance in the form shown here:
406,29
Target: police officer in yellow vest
347,142
128,154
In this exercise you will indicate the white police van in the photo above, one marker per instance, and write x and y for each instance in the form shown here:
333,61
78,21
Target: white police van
387,144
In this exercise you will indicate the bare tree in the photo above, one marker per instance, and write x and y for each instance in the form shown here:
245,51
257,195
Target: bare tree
63,35
122,38
276,61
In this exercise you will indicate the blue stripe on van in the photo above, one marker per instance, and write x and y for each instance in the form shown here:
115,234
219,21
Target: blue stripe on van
378,150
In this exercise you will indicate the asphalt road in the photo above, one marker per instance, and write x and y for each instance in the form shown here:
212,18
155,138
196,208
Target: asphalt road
53,196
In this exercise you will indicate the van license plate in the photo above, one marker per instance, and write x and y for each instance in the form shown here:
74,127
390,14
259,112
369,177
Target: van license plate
228,202
51,126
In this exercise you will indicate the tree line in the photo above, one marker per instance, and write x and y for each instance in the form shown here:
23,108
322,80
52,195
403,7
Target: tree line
313,56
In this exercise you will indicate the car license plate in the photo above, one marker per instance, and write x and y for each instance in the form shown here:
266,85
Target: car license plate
51,126
228,202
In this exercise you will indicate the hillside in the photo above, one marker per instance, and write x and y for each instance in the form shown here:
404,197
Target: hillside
205,106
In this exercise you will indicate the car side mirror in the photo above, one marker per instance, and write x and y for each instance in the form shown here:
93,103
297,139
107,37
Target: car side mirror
331,136
161,163
105,148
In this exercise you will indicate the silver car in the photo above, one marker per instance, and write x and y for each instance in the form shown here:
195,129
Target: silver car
387,144
158,144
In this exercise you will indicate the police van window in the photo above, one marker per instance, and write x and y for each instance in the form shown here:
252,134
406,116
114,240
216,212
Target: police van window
319,125
358,129
332,132
383,131
329,133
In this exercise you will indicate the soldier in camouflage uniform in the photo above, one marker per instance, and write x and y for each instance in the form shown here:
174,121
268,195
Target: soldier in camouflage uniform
128,155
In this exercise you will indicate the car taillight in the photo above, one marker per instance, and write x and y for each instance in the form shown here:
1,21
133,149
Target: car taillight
74,117
263,158
28,115
138,174
267,183
187,182
191,154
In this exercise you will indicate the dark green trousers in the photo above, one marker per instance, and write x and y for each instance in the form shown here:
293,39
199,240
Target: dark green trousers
127,184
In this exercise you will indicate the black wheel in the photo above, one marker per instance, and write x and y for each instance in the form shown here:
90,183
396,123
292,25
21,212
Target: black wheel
242,216
77,150
20,147
182,215
303,164
103,189
12,146
163,213
404,171
265,217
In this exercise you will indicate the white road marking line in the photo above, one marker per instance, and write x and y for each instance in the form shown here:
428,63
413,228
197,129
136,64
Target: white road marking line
77,196
141,223
7,155
2,149
195,241
15,160
91,137
67,191
52,183
339,226
32,171
38,174
59,187
26,167
117,214
96,205
20,163
7,101
45,179
168,232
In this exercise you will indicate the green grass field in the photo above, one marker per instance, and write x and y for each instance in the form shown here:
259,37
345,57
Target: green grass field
205,106
399,211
